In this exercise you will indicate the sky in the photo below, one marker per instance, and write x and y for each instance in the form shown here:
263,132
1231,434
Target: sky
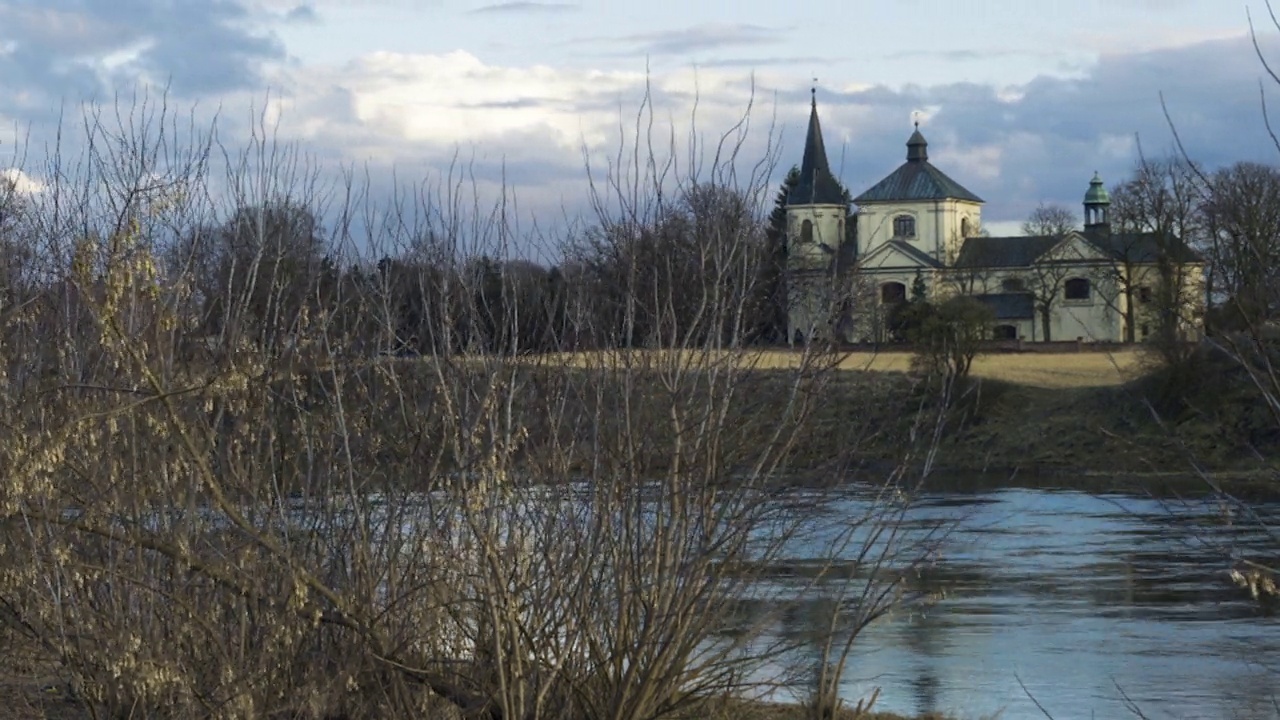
1021,101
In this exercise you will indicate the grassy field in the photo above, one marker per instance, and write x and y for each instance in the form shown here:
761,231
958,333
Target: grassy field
1040,370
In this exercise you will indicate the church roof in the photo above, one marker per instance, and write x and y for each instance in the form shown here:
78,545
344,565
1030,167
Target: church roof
916,179
1023,251
997,252
1009,306
1143,247
817,185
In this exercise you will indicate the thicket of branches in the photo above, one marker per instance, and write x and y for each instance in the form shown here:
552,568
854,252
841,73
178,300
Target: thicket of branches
220,500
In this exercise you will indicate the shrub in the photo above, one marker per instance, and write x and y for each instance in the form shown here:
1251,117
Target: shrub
948,337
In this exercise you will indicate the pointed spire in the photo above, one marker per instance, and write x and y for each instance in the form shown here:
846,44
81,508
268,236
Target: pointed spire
815,152
817,185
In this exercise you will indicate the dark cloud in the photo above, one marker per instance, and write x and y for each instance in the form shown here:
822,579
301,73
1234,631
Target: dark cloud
1042,141
303,15
527,7
196,48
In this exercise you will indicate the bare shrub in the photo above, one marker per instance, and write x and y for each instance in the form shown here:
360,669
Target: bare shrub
257,467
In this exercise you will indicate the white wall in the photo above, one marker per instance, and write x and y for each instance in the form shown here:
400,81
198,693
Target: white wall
828,228
937,225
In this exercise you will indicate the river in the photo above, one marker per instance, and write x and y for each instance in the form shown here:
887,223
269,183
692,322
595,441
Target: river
1085,599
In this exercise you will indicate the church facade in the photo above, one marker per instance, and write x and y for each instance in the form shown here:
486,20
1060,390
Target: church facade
919,232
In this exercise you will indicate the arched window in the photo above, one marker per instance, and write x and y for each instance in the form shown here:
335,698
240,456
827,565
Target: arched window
892,293
1013,285
964,227
904,226
1004,332
806,231
1076,289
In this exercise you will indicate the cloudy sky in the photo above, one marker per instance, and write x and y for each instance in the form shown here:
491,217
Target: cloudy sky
1021,101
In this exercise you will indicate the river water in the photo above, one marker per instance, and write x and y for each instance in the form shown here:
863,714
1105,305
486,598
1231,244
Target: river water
1082,598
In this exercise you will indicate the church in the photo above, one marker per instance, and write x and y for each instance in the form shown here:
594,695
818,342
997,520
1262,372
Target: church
919,232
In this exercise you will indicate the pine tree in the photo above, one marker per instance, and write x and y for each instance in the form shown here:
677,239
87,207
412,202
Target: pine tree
919,292
772,302
772,299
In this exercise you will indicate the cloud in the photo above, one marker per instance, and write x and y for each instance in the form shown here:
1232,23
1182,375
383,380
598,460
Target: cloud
768,61
21,182
1041,141
1017,146
196,48
532,127
709,36
970,54
526,7
302,14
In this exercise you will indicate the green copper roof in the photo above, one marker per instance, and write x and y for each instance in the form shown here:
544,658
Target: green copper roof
916,179
1097,194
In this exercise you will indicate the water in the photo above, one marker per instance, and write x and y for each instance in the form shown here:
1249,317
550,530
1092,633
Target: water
1083,598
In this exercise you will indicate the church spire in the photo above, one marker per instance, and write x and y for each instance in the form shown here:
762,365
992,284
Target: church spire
815,152
817,186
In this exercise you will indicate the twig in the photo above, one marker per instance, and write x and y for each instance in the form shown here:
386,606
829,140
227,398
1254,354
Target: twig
1032,697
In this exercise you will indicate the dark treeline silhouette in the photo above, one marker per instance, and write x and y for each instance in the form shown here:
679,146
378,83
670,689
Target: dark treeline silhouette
706,271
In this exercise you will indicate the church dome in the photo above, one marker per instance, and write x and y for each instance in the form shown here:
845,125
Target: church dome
1097,193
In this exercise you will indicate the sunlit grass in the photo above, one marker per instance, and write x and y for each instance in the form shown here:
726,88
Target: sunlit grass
1045,370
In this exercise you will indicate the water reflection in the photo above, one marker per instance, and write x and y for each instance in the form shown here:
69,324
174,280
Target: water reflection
1084,598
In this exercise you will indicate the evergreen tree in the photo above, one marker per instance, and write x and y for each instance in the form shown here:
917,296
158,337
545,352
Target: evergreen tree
919,292
772,299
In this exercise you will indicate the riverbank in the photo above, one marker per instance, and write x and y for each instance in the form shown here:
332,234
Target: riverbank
1098,421
1093,421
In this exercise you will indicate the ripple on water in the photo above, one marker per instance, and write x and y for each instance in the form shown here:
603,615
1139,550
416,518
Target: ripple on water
1075,594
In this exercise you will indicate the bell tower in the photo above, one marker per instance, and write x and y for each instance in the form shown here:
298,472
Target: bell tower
816,214
1097,202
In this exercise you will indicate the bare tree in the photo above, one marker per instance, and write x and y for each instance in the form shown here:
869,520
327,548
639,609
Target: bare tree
963,276
1155,221
1242,222
1050,221
283,530
1045,277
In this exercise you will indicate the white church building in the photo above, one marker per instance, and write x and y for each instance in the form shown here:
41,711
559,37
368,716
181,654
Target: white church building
919,229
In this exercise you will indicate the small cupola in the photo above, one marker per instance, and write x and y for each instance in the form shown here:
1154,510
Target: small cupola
917,147
1097,201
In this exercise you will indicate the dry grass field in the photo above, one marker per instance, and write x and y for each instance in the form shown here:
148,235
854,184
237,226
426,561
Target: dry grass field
1042,370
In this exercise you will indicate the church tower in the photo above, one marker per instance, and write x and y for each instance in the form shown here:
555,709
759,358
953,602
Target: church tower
816,213
1097,202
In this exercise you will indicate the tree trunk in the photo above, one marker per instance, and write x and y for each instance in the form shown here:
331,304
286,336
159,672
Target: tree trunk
1044,321
1130,312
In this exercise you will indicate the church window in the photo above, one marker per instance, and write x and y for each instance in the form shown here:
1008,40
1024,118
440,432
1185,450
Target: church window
904,226
1013,285
1144,294
892,293
964,227
1005,332
1077,289
806,231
